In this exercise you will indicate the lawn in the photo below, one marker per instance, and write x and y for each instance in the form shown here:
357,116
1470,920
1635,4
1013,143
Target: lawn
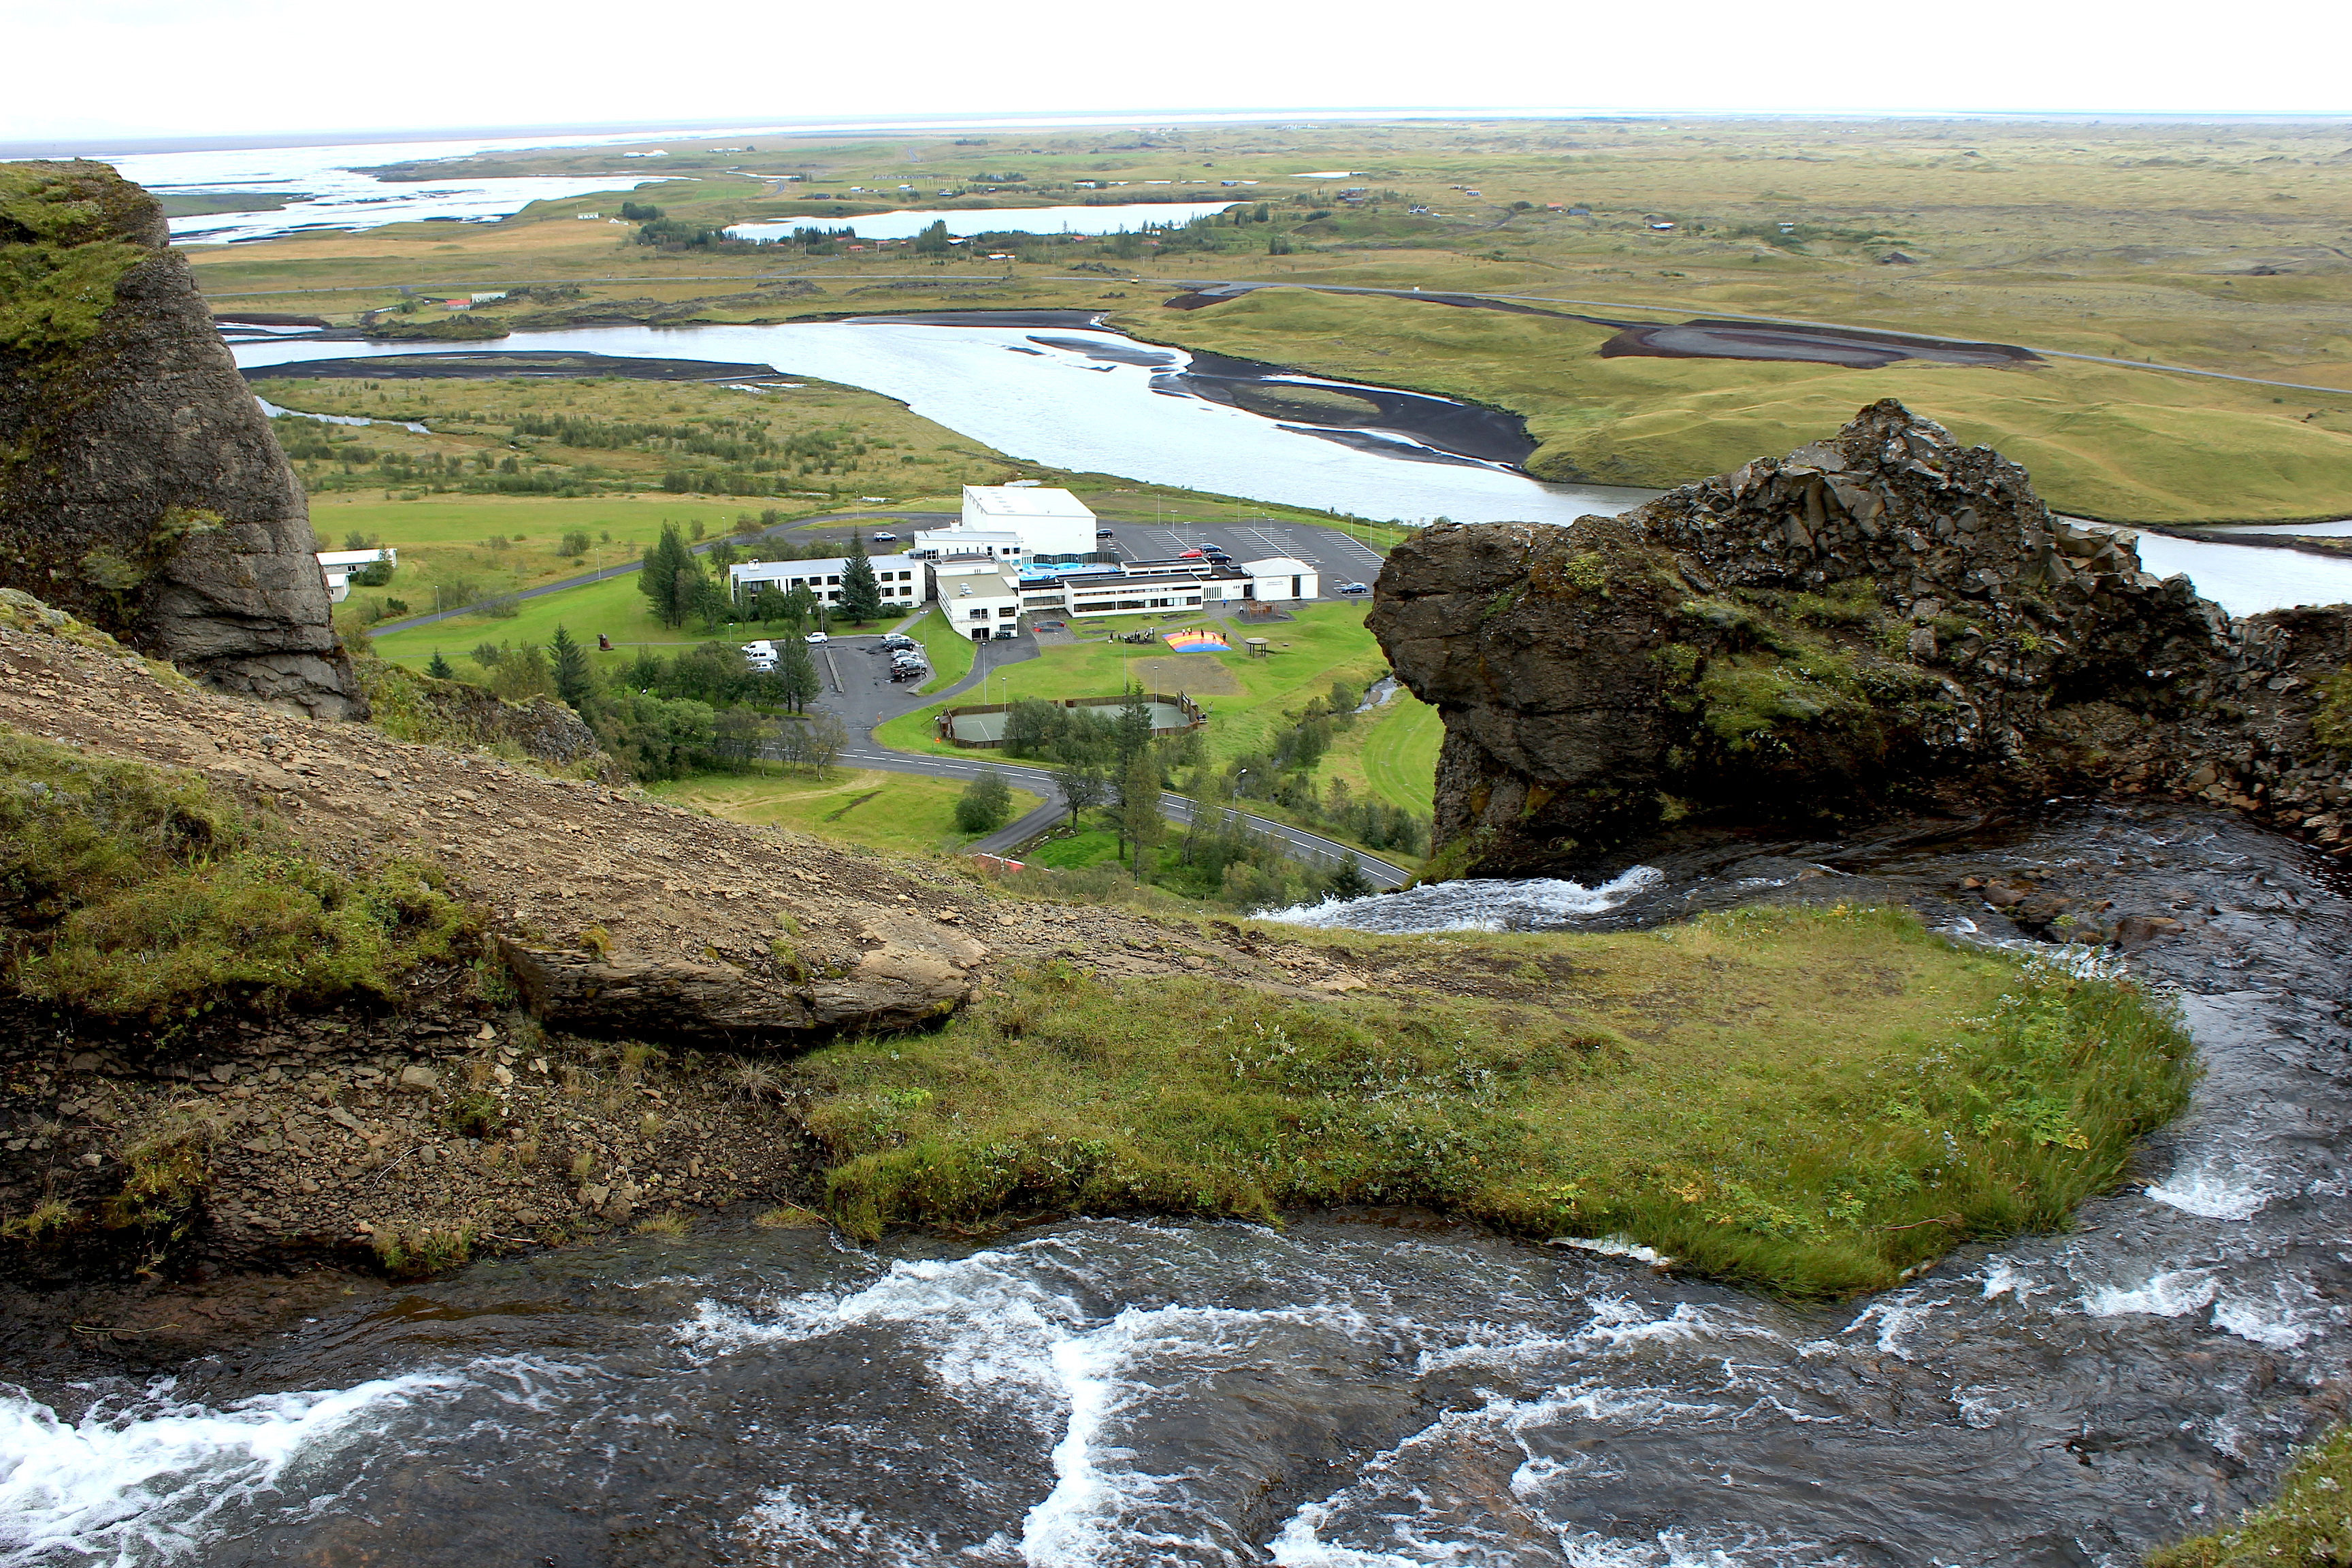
1391,752
1812,1102
1326,643
613,607
896,812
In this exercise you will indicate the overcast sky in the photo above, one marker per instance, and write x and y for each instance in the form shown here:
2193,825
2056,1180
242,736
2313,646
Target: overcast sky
99,68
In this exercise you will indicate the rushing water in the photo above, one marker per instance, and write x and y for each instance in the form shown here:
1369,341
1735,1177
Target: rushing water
1358,1391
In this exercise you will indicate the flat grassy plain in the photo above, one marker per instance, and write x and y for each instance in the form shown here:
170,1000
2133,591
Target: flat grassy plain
2215,247
901,813
1809,1101
808,442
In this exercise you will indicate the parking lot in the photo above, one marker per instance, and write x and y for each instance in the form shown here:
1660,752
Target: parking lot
1338,558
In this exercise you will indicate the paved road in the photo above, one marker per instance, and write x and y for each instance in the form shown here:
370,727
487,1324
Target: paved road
864,697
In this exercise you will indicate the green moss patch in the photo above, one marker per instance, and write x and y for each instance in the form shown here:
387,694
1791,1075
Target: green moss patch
61,253
1812,1102
130,893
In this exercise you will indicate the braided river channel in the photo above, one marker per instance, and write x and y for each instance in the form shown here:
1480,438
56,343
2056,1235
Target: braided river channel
1368,1389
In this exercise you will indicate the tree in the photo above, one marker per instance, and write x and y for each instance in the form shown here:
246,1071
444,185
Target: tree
800,606
823,740
1083,787
487,653
796,675
708,600
769,607
1140,826
1349,881
985,803
861,594
438,668
666,561
575,544
1134,727
933,241
574,682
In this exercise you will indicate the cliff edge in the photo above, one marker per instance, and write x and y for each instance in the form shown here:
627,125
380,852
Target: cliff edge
140,487
1882,620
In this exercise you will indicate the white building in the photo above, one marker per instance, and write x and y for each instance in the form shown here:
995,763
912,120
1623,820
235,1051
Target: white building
1053,524
341,565
1280,577
1164,587
980,597
962,543
899,577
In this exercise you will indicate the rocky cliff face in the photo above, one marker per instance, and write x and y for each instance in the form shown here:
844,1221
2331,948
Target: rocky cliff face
1880,620
139,485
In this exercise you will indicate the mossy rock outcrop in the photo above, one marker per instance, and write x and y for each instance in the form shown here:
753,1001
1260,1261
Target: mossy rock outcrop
140,487
1882,620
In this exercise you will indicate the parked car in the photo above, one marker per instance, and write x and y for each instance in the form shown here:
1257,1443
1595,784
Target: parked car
1193,556
1353,590
1217,555
1049,625
816,636
763,648
1105,533
898,640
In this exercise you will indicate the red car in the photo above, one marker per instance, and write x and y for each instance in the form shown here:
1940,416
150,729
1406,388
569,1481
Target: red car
1191,555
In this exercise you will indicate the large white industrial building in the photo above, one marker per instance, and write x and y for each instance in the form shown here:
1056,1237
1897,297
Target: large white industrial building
1051,524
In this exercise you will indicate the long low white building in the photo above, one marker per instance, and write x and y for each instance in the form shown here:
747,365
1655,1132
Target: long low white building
341,565
901,578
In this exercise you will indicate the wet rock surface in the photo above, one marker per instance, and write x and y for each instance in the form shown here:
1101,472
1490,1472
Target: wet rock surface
1879,622
146,491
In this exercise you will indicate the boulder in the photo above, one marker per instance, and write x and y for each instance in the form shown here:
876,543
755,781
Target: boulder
141,488
1882,620
906,979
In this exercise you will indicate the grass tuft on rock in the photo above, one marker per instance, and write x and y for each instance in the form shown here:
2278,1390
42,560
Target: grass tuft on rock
2309,1522
1810,1102
133,892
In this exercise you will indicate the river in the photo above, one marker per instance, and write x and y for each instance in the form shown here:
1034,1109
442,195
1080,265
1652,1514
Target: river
1050,388
1056,387
1364,1390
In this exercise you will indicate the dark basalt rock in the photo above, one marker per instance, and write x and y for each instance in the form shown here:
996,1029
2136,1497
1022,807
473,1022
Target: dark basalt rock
1881,621
140,487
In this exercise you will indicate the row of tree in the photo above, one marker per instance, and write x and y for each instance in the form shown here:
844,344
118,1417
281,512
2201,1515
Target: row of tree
680,587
